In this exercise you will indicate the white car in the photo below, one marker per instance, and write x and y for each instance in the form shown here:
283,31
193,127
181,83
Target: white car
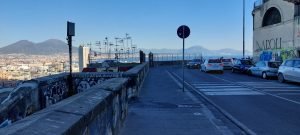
227,63
289,71
212,65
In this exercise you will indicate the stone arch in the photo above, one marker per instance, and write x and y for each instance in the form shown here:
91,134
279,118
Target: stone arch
271,17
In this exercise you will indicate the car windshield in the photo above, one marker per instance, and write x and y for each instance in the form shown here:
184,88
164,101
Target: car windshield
214,61
274,64
246,62
226,60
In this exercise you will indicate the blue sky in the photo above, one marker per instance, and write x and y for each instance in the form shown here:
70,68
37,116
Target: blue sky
151,23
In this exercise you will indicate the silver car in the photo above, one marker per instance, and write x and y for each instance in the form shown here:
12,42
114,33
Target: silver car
227,63
289,71
212,65
265,69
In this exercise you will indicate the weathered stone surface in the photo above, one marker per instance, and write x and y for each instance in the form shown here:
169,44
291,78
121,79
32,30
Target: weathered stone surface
21,102
70,116
113,84
136,70
100,109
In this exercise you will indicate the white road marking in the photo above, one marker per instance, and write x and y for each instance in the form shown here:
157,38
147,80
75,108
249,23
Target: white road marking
233,93
282,90
227,89
213,87
288,94
224,89
258,90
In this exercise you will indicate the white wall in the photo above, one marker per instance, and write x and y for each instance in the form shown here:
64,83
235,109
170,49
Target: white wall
83,57
279,38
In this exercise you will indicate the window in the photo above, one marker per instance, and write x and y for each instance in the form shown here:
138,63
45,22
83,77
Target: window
274,64
297,63
289,63
272,16
214,61
226,60
260,64
246,62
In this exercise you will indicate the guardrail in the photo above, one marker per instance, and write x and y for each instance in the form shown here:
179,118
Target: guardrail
35,95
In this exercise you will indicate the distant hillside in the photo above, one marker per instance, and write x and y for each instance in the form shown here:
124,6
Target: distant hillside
48,47
199,50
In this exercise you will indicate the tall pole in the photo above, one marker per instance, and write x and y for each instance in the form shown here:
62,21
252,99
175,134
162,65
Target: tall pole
183,62
243,28
71,92
70,33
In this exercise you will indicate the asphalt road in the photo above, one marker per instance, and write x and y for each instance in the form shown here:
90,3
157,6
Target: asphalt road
263,106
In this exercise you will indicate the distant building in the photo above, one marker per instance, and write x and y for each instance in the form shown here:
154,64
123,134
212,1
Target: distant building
83,57
276,29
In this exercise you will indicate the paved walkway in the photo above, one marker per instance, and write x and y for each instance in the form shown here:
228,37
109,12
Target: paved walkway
163,109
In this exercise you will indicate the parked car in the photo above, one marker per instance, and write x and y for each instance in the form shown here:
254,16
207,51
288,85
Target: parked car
227,63
195,63
265,69
212,65
289,71
241,65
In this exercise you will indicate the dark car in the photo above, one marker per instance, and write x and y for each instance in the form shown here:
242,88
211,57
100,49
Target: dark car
241,65
195,63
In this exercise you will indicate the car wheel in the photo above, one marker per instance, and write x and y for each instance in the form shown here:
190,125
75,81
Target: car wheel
281,78
264,75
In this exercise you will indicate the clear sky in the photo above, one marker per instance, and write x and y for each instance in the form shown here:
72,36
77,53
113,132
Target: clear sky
214,24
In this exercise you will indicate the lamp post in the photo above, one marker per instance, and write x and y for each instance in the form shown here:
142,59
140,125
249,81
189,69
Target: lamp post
70,34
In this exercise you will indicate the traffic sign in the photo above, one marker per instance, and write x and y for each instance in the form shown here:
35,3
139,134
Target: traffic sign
183,31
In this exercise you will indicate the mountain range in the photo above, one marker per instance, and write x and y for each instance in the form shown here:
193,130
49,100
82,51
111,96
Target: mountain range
201,50
55,46
48,47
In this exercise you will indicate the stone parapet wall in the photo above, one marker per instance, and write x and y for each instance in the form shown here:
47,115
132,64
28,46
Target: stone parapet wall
99,107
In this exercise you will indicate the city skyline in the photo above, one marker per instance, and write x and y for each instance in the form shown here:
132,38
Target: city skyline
95,20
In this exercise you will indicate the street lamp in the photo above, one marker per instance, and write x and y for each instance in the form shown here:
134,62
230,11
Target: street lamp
70,34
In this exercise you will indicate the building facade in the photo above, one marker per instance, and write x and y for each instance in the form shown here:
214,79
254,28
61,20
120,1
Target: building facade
83,57
276,30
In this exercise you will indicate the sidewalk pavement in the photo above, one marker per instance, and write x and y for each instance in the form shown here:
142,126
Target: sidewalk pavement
163,109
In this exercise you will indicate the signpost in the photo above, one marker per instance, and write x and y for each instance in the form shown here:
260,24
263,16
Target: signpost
70,34
183,32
